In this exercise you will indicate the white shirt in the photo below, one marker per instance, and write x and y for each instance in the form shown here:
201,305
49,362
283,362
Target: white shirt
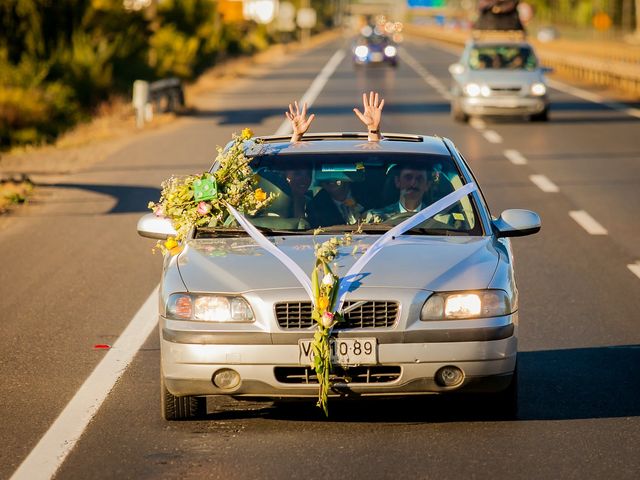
402,209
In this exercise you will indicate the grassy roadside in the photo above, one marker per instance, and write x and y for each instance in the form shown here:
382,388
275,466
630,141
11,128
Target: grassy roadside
14,191
114,127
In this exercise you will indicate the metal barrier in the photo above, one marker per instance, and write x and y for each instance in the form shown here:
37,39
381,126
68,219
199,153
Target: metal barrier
161,96
598,70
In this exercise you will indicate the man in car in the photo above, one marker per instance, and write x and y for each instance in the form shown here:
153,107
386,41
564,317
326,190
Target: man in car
335,204
413,184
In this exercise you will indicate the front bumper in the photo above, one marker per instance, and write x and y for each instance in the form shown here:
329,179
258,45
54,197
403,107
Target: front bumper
374,59
503,105
486,355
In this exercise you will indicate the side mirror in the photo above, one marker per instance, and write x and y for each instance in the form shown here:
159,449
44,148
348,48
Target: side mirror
516,223
151,226
456,69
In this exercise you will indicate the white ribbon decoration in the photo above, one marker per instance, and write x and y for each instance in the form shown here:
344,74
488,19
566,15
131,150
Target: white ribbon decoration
424,214
353,273
264,242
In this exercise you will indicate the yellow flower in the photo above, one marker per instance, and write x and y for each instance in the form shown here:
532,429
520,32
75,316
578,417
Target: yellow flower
170,243
323,303
260,195
246,134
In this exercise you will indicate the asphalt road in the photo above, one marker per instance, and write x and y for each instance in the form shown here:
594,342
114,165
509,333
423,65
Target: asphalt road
74,273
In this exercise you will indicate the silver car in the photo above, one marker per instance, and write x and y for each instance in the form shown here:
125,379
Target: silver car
434,312
498,77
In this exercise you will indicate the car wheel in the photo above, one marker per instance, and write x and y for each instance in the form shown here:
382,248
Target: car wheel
543,116
457,114
180,408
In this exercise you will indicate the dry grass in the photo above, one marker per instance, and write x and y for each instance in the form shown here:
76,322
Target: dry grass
14,192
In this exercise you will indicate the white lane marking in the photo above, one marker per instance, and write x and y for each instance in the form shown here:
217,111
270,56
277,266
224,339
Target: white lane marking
425,74
592,97
477,123
587,222
544,184
492,136
515,157
52,449
635,268
316,87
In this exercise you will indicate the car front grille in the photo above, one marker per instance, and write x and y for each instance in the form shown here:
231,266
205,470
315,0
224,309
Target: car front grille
350,375
371,314
498,91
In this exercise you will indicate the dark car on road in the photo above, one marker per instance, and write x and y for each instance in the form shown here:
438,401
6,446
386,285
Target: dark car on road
375,49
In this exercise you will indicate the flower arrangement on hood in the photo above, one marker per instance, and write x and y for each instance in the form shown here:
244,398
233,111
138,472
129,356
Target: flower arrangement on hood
325,285
201,200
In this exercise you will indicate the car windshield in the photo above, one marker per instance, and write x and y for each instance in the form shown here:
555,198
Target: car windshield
368,192
504,57
373,40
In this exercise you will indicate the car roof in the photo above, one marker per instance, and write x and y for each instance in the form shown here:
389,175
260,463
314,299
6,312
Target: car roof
347,142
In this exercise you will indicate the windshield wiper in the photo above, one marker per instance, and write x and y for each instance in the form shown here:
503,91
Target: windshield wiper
436,231
221,232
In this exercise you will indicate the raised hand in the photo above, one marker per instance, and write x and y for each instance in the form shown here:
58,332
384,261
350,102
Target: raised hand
372,106
299,121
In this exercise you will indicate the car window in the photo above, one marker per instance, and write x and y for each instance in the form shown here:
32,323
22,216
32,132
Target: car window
372,191
374,40
504,57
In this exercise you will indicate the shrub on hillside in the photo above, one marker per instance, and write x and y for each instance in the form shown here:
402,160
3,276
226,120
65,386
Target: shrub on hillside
173,53
32,110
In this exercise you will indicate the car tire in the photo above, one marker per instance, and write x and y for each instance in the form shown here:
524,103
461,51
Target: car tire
543,116
457,114
180,408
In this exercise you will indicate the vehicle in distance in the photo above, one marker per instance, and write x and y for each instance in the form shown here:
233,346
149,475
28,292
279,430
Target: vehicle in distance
436,310
498,77
375,49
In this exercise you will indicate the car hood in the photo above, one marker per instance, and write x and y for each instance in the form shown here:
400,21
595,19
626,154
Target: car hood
504,77
418,262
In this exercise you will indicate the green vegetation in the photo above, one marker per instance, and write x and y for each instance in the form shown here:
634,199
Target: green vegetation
59,59
579,13
14,191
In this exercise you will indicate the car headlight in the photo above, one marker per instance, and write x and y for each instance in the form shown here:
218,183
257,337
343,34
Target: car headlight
472,89
464,305
362,51
538,89
208,308
390,51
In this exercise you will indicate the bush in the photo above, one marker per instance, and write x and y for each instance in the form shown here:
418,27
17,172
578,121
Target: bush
173,53
31,110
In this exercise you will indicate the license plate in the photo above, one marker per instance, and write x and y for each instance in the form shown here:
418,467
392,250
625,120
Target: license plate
344,351
377,57
508,103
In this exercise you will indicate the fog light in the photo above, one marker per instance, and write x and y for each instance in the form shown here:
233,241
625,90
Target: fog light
449,376
226,378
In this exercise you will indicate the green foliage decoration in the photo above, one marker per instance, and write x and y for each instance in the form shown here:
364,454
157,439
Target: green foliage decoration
235,185
325,285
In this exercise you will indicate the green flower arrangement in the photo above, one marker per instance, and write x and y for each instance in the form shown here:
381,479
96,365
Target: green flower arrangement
325,285
201,200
